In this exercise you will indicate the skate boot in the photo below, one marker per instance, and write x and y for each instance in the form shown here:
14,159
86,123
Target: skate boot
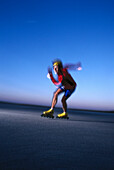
63,116
49,113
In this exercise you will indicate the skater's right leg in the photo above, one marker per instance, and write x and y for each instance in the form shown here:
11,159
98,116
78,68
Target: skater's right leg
55,97
54,101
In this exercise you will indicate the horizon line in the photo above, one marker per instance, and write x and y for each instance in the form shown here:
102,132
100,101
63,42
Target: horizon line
36,105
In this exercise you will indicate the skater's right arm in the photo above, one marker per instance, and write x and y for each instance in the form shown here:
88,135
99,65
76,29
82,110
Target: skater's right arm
54,81
52,78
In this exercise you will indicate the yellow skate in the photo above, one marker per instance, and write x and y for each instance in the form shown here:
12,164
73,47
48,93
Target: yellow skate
63,116
49,113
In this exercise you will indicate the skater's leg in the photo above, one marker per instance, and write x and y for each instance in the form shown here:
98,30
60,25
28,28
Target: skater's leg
54,101
64,114
55,97
64,98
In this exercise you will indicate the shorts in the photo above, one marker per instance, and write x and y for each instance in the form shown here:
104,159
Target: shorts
68,92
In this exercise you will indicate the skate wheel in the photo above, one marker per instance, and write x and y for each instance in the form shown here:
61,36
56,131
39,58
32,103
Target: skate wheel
47,116
62,117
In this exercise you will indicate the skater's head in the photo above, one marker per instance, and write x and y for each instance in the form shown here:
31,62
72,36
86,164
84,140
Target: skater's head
57,66
56,69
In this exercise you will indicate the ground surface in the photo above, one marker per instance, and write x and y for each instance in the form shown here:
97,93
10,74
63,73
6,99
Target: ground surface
27,141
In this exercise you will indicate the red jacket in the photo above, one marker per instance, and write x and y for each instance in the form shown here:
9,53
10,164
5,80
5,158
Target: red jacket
65,79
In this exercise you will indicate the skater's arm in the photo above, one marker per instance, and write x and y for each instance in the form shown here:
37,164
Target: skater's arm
54,81
52,78
76,66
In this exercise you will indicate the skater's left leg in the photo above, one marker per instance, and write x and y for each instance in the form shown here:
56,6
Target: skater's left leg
67,94
64,104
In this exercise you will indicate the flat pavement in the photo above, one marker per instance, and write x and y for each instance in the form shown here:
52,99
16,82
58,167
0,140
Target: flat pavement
28,141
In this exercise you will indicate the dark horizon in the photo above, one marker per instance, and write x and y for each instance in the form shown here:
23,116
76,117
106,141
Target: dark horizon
45,106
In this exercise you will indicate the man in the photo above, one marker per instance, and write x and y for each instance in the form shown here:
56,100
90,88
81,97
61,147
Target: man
66,84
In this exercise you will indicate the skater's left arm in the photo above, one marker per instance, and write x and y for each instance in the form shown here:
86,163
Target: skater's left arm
76,66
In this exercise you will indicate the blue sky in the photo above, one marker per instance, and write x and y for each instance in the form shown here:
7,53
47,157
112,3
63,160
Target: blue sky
33,33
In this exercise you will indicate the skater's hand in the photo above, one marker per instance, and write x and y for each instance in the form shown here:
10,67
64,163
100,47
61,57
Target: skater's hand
49,70
48,76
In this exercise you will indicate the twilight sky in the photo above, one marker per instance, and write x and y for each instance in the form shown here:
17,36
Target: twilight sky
33,33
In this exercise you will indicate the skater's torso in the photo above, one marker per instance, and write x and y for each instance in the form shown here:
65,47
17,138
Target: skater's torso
65,79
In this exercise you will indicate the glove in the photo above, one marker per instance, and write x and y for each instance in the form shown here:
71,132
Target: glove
48,76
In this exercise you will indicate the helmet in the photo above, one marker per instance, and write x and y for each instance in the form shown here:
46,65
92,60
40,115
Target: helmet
58,63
